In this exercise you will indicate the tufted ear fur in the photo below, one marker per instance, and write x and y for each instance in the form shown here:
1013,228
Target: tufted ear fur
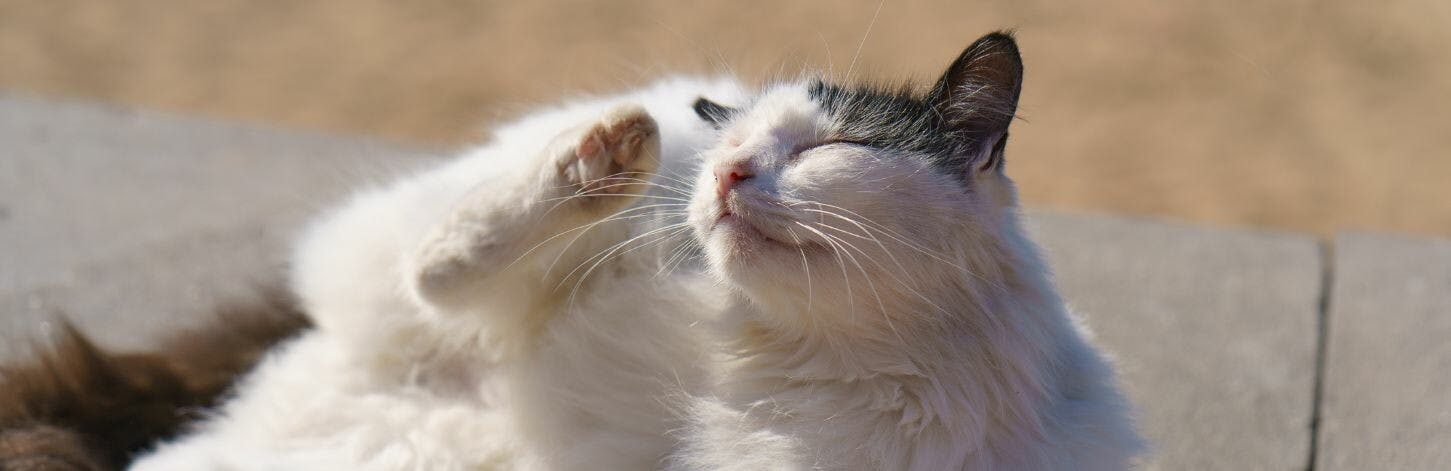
714,113
978,97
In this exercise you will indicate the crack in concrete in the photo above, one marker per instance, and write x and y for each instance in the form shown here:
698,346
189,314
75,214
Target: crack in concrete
1322,331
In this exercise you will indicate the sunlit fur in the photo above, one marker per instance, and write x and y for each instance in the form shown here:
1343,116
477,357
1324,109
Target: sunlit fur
551,347
892,314
865,306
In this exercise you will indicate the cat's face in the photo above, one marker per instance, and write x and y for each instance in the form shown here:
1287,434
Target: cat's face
819,195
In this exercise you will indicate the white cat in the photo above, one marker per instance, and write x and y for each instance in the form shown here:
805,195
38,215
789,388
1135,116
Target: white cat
869,301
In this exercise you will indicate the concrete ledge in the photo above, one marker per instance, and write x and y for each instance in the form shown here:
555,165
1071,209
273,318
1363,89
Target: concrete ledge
123,220
129,222
1213,329
1387,385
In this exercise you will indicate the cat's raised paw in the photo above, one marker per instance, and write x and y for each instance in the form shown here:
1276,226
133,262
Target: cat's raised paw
614,155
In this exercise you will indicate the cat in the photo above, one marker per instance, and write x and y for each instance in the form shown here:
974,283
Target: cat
842,285
889,311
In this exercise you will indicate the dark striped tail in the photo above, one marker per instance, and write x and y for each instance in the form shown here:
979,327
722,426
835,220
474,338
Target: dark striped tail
74,406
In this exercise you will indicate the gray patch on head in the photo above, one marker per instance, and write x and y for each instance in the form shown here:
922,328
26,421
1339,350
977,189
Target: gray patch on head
961,123
888,119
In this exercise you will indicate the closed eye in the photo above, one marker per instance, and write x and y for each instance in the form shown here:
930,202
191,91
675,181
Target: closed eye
796,153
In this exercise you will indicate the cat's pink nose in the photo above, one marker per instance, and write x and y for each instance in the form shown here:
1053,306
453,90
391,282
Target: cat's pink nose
728,175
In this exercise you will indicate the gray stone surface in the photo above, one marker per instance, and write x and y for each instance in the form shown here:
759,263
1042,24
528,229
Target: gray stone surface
130,221
1213,329
123,219
1387,390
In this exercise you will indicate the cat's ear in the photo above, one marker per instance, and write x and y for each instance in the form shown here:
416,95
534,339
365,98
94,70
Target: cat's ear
714,113
978,96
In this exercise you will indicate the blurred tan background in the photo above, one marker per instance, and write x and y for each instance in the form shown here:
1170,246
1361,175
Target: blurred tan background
1313,116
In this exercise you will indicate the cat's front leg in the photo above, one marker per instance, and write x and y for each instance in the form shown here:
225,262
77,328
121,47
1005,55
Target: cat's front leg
492,243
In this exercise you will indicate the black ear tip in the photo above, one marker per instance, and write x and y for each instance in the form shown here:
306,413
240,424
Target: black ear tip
712,112
993,57
702,105
997,42
1008,36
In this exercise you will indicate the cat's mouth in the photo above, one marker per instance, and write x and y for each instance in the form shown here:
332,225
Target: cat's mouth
749,224
742,225
736,225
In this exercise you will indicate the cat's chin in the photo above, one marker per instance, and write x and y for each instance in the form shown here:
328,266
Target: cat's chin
745,253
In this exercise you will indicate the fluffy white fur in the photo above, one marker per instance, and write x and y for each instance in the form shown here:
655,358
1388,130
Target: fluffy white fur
514,309
453,329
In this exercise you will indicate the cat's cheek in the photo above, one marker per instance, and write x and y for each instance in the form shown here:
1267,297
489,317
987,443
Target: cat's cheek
803,184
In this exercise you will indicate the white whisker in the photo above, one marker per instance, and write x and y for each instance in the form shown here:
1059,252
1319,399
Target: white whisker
604,254
677,179
886,315
614,251
894,235
677,256
835,250
910,287
805,266
863,42
571,242
586,227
